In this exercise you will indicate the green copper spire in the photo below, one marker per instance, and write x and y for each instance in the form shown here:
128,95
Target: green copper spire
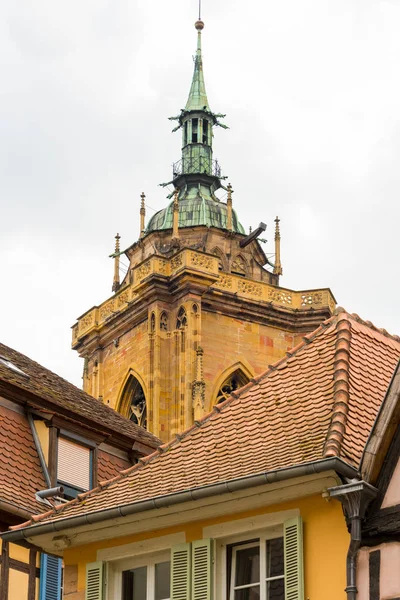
197,99
197,175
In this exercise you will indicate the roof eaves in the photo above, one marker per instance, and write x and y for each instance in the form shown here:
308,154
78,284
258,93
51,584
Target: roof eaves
35,527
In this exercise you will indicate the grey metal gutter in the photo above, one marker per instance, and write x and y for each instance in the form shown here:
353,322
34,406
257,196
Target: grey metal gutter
208,491
39,449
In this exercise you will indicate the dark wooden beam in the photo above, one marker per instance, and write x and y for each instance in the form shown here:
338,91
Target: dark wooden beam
32,575
4,572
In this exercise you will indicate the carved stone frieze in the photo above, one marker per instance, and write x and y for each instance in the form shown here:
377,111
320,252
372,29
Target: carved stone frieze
123,298
106,310
224,282
200,260
163,267
280,296
176,262
248,287
86,321
310,299
143,271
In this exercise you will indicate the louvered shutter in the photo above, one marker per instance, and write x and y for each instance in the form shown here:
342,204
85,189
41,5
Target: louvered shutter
180,572
94,581
50,577
293,549
202,570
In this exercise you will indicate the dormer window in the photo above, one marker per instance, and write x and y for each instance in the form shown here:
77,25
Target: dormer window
74,467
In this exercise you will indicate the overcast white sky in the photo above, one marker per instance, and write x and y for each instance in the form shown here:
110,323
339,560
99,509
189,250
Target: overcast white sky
311,92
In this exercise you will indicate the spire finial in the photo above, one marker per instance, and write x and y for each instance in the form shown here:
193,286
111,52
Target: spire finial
175,215
116,282
197,99
278,265
117,238
142,213
229,224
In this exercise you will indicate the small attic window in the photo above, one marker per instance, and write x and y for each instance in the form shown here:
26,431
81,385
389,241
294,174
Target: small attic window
10,365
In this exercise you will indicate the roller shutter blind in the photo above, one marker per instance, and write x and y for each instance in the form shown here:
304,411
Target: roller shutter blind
180,572
202,570
50,578
94,581
293,551
73,464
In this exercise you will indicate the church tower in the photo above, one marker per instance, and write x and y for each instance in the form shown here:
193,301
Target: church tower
200,310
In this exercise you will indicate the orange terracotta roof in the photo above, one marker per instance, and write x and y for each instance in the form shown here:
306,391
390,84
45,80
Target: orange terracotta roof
109,466
319,401
67,399
20,471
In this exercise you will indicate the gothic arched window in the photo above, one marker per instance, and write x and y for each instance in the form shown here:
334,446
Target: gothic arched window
236,380
164,321
152,322
133,402
181,320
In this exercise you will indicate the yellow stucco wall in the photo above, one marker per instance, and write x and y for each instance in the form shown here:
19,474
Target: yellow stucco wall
43,435
326,543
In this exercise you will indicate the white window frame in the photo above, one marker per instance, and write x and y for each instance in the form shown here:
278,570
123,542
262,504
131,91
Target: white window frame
253,538
115,569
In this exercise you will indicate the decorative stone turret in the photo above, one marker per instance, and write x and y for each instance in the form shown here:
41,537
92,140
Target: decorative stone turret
200,310
142,213
277,266
116,282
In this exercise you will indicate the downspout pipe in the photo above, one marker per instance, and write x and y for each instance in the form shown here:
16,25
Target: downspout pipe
355,498
335,464
39,450
351,561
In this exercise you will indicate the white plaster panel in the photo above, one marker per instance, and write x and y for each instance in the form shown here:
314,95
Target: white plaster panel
392,496
363,574
390,571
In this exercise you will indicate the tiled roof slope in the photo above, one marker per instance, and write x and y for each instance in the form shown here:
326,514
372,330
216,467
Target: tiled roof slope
66,397
109,466
319,401
20,471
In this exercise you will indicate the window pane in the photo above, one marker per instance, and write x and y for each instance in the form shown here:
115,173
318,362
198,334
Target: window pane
252,593
247,567
162,584
134,584
276,590
275,557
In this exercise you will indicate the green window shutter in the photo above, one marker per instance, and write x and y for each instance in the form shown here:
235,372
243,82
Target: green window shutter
293,548
202,570
180,572
94,581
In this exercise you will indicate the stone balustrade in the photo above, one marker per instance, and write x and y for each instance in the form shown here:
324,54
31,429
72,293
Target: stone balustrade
198,261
